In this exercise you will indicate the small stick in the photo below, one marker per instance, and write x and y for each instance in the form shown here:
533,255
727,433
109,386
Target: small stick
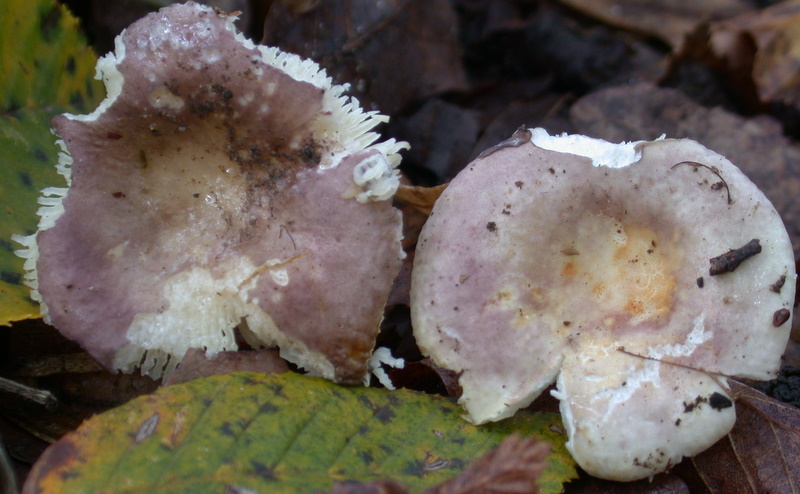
40,396
729,261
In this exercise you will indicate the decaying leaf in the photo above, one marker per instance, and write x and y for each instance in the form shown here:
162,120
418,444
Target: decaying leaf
196,364
512,468
358,42
421,198
441,136
760,453
249,432
667,20
775,34
547,42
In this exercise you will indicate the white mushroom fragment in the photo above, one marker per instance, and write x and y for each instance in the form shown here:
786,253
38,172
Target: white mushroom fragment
213,188
636,275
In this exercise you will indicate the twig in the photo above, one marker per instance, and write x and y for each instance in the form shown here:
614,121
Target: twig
40,396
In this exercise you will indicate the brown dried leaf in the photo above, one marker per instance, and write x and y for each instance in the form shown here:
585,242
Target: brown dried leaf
393,52
665,19
762,451
775,32
441,136
69,363
421,198
512,467
420,377
196,364
545,110
39,357
575,54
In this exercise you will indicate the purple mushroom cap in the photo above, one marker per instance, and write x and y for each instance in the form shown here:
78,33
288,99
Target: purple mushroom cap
220,185
637,276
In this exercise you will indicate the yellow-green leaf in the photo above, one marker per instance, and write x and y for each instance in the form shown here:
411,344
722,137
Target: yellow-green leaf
46,67
44,60
246,432
28,162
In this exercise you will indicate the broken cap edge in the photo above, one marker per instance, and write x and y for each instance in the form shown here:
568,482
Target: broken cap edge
601,152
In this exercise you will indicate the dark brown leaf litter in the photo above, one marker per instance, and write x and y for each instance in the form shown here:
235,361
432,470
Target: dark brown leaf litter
441,135
518,41
393,52
196,364
513,467
660,19
764,43
38,356
665,483
760,453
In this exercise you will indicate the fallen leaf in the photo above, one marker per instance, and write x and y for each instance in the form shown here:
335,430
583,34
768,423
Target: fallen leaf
27,162
421,198
45,65
254,432
196,364
392,52
574,54
761,452
775,34
667,20
546,110
44,58
441,136
513,467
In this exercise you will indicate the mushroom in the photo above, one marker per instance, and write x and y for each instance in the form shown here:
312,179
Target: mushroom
595,265
219,184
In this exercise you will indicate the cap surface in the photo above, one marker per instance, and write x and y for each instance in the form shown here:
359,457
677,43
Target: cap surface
570,258
214,187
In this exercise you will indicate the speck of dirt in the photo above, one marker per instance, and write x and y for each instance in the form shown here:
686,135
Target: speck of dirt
719,401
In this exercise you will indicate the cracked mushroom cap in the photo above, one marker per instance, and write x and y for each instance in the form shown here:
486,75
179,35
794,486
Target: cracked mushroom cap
636,275
219,184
